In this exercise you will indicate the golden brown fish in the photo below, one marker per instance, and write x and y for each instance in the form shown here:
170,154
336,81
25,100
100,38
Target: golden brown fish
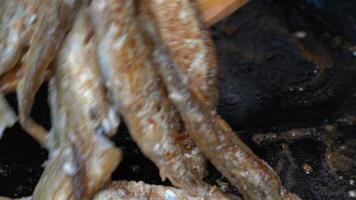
54,21
78,70
252,176
81,157
67,176
126,62
140,190
80,161
194,157
188,42
211,11
88,115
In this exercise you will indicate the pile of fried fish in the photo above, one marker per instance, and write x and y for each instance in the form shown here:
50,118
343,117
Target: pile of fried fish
150,62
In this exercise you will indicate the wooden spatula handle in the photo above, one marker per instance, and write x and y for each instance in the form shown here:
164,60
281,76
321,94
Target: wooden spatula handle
215,10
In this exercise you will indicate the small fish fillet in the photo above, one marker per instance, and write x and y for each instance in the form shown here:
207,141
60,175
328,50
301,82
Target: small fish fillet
7,115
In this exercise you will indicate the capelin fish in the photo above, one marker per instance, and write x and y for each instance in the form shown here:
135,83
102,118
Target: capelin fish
210,10
193,156
126,62
54,20
7,115
140,190
77,92
80,160
254,178
182,30
88,115
17,23
78,70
